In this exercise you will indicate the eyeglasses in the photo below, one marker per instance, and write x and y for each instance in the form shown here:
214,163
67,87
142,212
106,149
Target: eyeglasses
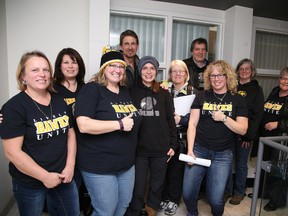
178,71
283,78
219,76
121,67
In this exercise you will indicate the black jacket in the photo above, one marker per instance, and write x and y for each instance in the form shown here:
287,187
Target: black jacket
157,133
253,95
195,73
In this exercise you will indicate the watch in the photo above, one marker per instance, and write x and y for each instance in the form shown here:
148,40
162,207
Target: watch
224,119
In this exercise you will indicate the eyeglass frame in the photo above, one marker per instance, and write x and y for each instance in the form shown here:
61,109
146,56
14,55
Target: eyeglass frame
178,72
283,78
219,76
120,67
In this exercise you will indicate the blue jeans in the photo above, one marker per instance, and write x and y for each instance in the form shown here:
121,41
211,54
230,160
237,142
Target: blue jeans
110,193
63,199
241,169
216,179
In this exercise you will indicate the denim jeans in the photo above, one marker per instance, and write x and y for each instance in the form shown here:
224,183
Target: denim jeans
241,169
216,179
63,199
110,193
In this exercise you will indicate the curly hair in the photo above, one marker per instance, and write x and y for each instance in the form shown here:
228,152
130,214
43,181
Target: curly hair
224,68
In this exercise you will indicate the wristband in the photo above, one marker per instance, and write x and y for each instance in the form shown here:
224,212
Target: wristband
224,119
121,125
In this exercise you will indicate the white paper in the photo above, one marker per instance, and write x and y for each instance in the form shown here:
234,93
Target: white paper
198,161
183,104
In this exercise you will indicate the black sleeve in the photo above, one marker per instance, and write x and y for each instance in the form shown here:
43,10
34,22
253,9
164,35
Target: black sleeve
255,116
283,123
171,121
84,105
184,120
14,120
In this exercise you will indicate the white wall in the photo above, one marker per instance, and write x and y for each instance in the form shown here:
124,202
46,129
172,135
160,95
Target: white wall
5,186
47,26
50,26
238,34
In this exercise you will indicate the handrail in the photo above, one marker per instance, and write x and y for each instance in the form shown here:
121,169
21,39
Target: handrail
270,141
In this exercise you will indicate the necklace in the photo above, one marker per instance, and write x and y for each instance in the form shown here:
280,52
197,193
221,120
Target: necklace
50,105
221,99
42,110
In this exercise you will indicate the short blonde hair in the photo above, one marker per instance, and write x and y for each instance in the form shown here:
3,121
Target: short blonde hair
182,65
284,71
22,66
224,68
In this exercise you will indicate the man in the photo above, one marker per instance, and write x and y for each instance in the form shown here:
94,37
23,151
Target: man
129,43
197,63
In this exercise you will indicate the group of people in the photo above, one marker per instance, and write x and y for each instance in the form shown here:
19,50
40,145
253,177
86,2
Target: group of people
120,131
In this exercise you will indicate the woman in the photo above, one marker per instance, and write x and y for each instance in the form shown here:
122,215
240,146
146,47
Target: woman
157,139
218,113
275,123
39,141
68,80
249,88
69,75
178,86
108,123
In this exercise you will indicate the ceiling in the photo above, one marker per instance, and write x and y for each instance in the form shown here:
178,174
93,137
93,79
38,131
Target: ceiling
277,9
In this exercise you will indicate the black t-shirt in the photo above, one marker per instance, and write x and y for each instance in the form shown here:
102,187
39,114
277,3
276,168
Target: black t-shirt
215,135
273,111
108,152
45,141
70,99
69,96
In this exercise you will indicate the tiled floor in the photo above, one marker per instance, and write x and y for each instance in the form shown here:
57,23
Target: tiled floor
230,210
204,209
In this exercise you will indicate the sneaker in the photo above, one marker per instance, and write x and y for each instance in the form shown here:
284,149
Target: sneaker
226,197
236,199
163,205
171,208
143,213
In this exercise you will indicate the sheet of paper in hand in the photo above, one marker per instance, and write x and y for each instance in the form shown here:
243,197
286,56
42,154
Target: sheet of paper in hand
198,161
183,104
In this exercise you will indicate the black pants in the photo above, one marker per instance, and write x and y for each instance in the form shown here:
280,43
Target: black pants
278,191
157,167
174,180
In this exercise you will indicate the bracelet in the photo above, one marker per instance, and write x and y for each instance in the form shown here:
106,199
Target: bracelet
121,125
224,119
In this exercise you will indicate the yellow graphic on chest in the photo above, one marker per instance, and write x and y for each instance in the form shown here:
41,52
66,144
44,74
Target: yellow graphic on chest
211,107
70,100
49,125
272,106
120,108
